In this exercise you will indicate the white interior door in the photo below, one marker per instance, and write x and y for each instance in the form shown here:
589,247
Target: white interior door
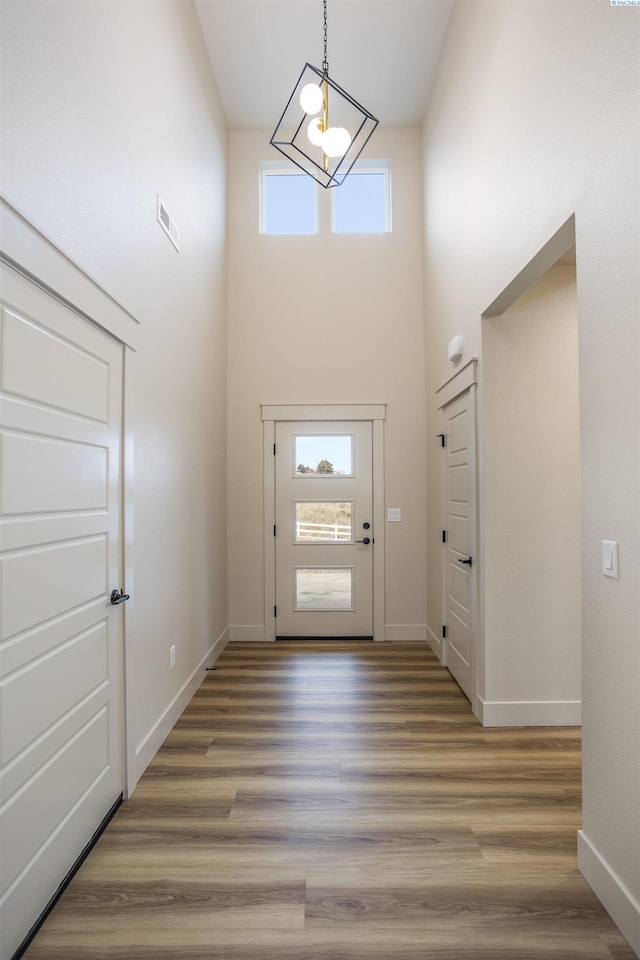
459,429
60,636
324,529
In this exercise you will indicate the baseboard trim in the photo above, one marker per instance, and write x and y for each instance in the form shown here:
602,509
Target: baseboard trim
247,634
435,643
147,749
619,903
405,632
530,713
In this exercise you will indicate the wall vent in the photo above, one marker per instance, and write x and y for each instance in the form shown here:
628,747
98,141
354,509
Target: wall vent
168,224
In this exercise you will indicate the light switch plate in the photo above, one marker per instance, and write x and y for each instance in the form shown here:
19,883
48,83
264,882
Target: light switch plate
610,558
394,514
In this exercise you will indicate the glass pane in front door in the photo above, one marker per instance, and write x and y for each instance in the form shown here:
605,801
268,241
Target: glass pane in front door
324,521
319,588
323,456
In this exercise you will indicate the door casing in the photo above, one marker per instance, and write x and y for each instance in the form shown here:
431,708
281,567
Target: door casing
274,413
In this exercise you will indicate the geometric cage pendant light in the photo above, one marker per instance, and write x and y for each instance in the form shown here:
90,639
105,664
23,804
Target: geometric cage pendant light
323,130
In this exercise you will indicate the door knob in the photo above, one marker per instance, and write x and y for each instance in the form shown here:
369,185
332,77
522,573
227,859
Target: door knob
469,560
118,597
364,540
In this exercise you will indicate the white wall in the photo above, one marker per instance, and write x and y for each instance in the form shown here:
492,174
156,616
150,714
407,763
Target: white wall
532,502
534,118
327,319
105,105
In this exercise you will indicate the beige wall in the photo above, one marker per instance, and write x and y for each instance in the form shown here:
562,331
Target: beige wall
532,501
327,319
535,118
104,105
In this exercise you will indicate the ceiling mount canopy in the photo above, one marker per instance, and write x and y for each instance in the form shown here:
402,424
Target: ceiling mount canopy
323,130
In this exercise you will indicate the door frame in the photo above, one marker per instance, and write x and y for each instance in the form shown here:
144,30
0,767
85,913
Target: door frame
31,253
337,412
465,379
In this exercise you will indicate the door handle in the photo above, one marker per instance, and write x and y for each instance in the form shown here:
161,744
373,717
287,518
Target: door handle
364,540
469,560
117,598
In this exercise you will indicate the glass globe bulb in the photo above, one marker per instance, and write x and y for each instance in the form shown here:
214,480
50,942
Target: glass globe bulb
336,141
315,132
311,98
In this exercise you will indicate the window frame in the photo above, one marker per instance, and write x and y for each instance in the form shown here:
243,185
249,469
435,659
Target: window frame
277,168
366,167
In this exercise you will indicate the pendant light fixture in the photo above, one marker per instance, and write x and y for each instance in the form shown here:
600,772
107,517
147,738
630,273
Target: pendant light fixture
323,130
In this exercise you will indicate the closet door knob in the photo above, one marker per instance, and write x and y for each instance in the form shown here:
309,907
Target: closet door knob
118,597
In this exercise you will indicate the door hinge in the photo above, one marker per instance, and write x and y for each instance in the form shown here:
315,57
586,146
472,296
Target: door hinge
274,449
444,632
444,536
275,612
443,438
274,529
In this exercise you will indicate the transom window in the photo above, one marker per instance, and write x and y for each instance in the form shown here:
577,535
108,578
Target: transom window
292,203
362,204
288,202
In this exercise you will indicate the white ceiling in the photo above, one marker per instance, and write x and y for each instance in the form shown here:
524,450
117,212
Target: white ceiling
383,52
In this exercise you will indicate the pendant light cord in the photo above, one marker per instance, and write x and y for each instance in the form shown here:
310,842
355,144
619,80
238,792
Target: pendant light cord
325,62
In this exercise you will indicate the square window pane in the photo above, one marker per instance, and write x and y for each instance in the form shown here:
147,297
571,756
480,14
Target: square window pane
288,204
325,521
322,588
361,204
321,456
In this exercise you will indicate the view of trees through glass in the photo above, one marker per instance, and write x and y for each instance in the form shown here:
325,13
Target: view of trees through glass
319,455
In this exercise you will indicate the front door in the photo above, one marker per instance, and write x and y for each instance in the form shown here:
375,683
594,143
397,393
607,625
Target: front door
459,429
324,531
60,557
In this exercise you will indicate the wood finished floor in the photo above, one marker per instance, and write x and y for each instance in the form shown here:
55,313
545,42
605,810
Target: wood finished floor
339,801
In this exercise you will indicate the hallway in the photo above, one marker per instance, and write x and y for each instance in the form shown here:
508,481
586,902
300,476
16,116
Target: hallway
338,801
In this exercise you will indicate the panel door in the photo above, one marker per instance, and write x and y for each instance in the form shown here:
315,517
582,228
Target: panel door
459,428
324,535
61,766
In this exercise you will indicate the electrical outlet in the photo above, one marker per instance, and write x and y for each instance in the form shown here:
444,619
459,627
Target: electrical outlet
172,654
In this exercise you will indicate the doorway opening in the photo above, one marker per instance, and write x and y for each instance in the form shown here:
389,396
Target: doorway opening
532,504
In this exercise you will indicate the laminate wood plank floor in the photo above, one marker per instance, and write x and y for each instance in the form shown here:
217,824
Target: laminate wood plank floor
339,801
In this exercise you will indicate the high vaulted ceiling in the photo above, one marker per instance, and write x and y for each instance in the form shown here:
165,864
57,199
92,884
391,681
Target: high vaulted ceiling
383,52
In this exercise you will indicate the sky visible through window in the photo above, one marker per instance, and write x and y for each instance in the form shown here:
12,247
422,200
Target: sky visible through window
359,205
309,451
290,203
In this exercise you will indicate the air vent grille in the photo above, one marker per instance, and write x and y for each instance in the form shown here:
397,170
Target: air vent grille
168,224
